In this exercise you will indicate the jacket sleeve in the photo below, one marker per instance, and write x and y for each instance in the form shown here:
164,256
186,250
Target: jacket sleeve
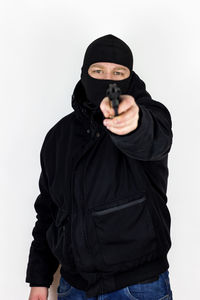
152,139
41,262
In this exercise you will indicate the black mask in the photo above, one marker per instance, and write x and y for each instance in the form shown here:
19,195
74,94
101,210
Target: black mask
105,49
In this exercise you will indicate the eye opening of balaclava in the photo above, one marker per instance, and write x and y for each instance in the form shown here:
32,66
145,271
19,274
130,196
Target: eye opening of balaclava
108,48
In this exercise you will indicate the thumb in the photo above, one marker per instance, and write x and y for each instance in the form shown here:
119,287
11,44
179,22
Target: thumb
106,107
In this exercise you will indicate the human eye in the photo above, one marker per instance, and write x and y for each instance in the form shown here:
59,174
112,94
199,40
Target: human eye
96,71
119,73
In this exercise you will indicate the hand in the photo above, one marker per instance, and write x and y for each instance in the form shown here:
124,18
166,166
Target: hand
128,117
38,293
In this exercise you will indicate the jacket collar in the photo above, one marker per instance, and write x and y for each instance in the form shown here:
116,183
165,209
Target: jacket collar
77,100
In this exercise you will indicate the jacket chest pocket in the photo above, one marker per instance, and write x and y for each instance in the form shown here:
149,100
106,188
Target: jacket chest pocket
125,232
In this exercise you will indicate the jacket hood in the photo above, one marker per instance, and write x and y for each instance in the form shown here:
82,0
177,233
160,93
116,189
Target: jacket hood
78,100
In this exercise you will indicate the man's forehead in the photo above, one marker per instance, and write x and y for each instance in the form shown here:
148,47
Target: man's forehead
105,64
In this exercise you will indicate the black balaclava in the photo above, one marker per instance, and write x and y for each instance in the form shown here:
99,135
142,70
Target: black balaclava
108,48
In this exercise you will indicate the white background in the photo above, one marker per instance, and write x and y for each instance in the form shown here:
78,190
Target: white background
42,44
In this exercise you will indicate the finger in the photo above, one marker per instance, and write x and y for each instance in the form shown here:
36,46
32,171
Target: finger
123,119
120,131
123,124
126,101
106,107
124,130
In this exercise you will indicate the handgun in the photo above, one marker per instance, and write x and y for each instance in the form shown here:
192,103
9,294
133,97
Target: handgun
113,93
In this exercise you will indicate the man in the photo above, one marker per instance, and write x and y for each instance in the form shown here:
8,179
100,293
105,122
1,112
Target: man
102,210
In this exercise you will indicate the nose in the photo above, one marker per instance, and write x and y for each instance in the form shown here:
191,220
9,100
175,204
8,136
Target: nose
107,76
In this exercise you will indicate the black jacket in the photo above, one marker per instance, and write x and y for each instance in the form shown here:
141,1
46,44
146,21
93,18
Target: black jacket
101,211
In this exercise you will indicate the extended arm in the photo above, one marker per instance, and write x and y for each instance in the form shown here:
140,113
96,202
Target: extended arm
152,139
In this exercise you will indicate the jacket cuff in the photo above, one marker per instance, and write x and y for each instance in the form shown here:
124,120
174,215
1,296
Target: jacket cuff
39,285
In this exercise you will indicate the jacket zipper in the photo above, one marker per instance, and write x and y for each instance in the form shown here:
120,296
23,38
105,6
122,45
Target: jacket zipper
119,207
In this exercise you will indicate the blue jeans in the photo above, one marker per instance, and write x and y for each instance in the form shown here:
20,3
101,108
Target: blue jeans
156,290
